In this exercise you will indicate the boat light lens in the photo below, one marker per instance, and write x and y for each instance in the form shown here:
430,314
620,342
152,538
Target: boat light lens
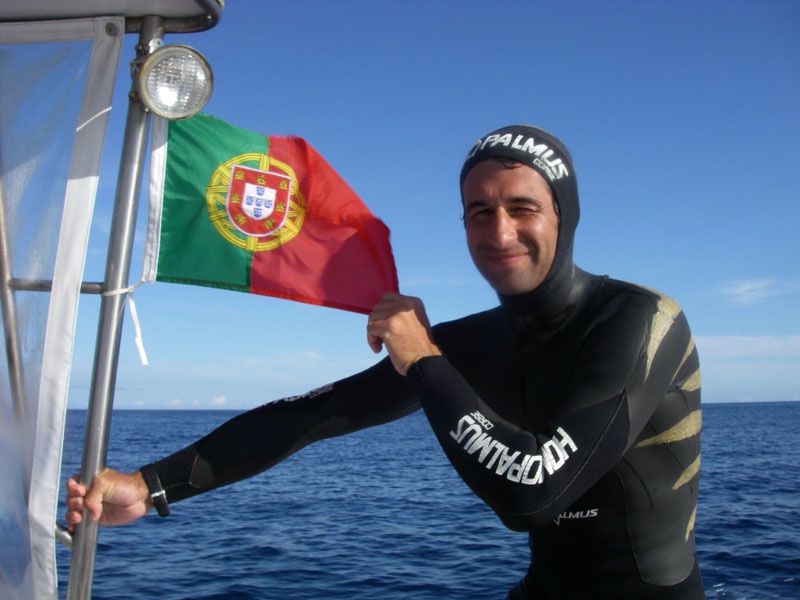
175,82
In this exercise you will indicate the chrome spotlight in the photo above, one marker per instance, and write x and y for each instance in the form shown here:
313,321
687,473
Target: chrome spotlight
175,82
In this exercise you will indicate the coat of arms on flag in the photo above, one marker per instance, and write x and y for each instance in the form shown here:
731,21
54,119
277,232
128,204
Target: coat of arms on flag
254,201
234,209
257,201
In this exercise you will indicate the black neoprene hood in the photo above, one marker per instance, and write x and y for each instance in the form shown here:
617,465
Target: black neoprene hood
548,156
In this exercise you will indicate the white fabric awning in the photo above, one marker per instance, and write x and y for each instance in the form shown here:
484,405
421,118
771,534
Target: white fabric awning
52,127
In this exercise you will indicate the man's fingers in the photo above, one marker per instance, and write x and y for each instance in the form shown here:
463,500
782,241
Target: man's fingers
75,488
75,504
378,329
95,510
75,494
74,509
93,500
383,309
375,342
72,520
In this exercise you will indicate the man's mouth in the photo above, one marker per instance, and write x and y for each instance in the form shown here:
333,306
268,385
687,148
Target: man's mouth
505,258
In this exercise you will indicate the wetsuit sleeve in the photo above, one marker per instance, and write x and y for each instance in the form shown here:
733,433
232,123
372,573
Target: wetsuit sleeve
626,363
262,437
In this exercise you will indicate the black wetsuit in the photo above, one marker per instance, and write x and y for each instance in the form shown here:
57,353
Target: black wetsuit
573,411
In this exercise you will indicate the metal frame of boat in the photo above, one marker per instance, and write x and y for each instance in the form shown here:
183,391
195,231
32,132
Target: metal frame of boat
150,19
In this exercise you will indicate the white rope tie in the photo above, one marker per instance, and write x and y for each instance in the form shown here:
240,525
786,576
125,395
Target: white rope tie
137,328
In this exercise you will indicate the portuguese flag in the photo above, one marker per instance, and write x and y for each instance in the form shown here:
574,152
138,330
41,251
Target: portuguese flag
234,209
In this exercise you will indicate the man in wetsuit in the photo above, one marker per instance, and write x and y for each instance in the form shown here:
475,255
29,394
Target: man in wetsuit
572,409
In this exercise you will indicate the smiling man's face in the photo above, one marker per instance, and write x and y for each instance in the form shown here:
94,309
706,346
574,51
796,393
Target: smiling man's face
511,225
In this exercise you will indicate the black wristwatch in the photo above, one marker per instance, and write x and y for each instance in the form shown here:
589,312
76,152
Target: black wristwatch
157,493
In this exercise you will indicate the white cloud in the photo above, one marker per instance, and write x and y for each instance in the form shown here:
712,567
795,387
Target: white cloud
722,347
218,401
747,292
174,402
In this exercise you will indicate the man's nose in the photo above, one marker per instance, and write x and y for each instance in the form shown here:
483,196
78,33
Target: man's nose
503,228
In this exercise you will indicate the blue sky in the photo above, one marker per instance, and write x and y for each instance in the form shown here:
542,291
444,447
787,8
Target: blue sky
682,118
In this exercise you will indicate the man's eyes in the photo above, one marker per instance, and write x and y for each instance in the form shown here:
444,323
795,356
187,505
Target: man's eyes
473,212
515,211
479,214
523,210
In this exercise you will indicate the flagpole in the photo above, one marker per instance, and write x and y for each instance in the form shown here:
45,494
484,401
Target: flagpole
101,398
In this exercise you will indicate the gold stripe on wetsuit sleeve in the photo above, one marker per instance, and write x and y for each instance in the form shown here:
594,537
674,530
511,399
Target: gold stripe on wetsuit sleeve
666,311
688,474
692,383
685,428
690,525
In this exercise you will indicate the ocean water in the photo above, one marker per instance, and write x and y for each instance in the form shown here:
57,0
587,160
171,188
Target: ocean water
381,514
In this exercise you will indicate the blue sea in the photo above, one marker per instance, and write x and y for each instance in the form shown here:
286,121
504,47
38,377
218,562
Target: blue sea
380,514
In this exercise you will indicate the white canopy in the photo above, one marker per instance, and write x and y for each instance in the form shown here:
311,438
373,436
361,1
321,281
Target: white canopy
62,58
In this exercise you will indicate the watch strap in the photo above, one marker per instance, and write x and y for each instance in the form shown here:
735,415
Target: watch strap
154,487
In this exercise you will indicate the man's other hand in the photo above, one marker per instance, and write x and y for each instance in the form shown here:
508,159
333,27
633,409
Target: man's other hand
114,498
400,323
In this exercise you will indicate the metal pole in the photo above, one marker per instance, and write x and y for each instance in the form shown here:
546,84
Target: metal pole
10,327
104,375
